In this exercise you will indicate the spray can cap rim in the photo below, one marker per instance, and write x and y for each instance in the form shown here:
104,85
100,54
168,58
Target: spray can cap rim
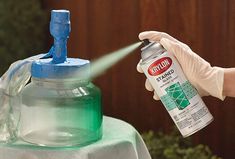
153,48
146,44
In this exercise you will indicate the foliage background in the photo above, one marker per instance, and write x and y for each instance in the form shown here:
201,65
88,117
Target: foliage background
174,146
22,30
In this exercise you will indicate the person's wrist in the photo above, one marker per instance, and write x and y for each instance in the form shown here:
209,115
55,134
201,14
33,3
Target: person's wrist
228,85
215,82
209,81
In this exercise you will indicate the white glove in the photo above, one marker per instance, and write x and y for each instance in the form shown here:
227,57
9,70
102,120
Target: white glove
206,79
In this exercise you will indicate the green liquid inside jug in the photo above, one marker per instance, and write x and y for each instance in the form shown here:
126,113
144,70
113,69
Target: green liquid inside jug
57,113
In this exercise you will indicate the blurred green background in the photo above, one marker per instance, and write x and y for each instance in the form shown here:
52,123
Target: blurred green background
22,30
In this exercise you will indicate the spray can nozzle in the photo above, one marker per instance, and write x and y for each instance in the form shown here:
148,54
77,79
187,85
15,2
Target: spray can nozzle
150,48
145,42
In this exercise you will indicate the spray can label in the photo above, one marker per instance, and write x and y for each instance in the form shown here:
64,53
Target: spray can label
179,97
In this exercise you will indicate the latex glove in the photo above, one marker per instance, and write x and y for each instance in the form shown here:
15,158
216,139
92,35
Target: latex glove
206,79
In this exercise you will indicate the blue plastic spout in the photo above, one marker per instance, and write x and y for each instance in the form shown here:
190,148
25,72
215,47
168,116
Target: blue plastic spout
60,28
60,67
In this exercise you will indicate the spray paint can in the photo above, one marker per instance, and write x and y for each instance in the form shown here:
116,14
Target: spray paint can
179,97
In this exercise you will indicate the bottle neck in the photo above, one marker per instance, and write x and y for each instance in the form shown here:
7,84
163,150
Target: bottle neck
60,83
60,50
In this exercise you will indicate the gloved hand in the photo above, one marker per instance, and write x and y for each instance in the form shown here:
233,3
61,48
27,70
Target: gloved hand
206,79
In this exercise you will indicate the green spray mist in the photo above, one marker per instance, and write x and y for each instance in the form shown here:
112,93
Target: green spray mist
103,63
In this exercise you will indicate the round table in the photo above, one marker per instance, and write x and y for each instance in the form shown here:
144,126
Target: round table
120,141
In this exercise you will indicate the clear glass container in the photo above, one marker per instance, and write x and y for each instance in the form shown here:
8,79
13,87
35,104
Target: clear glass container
60,113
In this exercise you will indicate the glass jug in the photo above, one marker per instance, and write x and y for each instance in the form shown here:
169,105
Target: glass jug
60,107
60,112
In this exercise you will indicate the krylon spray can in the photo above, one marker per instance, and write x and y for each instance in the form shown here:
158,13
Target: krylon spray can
179,97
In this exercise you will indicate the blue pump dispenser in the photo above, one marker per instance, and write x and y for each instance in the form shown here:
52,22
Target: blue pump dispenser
60,107
59,66
60,29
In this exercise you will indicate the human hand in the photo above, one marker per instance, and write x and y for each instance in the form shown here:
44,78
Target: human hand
206,79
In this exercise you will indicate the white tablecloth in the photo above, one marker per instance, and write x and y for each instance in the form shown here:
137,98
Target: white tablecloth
120,141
